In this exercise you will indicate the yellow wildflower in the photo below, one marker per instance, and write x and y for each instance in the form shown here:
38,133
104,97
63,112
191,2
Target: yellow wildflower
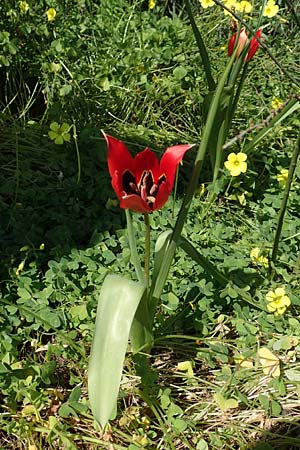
256,256
152,4
282,177
244,6
236,163
24,7
271,9
207,3
276,103
51,14
230,4
278,301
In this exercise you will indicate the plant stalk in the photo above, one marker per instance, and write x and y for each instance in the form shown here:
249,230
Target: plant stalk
285,198
147,249
133,250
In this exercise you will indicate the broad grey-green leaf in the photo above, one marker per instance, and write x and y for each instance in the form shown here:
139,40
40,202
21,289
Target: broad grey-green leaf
117,304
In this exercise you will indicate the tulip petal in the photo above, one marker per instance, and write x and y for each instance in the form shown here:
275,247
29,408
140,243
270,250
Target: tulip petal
143,161
119,160
135,203
254,44
170,160
231,44
162,196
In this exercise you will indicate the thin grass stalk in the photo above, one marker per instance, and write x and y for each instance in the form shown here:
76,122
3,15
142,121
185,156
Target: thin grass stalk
295,15
77,152
202,48
285,198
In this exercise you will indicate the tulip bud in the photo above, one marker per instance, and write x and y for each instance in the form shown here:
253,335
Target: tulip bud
242,41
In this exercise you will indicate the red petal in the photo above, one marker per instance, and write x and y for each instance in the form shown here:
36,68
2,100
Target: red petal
135,203
119,160
231,44
254,44
162,196
169,162
145,160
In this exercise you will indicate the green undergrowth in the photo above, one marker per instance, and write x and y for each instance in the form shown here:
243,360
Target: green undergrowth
61,232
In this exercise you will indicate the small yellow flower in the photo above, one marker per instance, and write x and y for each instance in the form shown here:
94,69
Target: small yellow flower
278,301
271,9
152,4
282,177
51,14
276,103
207,3
230,4
59,133
236,163
256,257
244,6
24,7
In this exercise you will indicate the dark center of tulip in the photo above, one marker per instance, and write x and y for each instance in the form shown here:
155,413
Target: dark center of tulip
146,188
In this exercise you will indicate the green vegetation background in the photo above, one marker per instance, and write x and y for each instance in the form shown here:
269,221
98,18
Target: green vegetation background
137,74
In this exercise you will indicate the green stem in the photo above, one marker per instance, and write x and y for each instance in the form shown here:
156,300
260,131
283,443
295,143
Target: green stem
132,244
237,94
147,249
284,202
219,151
202,49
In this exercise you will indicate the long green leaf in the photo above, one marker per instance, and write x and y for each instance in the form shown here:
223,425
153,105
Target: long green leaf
157,288
117,304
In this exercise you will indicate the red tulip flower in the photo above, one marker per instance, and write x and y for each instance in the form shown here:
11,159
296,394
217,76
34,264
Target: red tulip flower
142,183
242,41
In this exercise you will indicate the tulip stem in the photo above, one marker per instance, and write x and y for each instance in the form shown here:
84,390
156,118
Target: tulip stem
133,250
147,249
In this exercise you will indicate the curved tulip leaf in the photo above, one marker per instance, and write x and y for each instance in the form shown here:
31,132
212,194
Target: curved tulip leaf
161,246
117,304
160,249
